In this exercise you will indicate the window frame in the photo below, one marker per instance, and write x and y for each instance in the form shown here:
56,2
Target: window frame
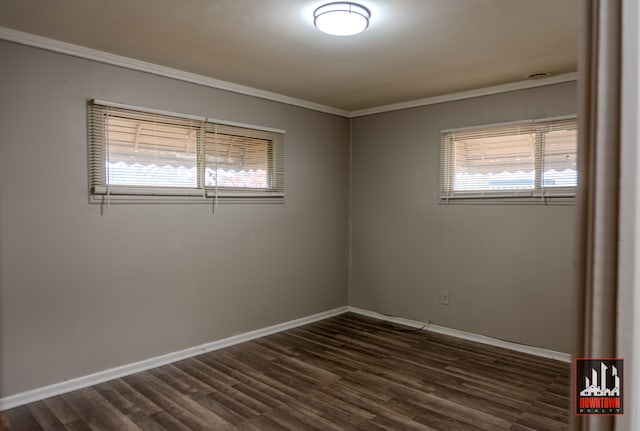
101,192
537,195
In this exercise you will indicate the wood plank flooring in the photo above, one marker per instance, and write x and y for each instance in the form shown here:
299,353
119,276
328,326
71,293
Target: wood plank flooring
344,373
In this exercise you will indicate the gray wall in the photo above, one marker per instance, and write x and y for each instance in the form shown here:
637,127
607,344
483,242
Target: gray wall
83,292
508,268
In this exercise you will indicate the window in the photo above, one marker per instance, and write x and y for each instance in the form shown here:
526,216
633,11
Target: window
135,152
529,159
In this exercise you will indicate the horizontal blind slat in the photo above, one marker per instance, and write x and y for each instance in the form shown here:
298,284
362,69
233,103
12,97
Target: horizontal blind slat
510,159
137,149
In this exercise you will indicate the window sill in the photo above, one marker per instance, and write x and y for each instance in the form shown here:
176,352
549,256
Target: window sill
509,200
140,195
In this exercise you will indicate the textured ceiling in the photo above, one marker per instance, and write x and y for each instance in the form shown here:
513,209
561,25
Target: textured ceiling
413,49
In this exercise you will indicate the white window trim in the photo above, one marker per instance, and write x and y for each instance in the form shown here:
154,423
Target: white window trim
544,196
181,115
106,194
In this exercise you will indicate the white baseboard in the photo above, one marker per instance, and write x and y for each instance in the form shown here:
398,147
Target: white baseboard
523,348
125,370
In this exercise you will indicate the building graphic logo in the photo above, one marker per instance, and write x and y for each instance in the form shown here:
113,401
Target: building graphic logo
598,386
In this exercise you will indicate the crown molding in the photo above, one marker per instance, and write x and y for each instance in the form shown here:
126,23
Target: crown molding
36,41
486,91
156,69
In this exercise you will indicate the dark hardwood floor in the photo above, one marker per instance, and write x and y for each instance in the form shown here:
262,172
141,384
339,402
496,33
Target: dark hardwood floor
345,373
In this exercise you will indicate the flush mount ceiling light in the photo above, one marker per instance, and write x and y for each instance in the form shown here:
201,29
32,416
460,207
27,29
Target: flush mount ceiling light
341,18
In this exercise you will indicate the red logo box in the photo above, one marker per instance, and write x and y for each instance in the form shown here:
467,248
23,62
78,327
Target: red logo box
599,386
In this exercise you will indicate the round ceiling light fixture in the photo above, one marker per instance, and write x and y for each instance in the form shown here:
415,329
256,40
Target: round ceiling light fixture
341,18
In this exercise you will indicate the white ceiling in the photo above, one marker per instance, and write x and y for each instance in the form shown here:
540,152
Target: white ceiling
413,49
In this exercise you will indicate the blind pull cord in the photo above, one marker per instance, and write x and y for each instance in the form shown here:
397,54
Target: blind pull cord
105,202
108,160
201,147
215,167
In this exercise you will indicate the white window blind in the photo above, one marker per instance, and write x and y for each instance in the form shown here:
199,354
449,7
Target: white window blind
529,159
151,153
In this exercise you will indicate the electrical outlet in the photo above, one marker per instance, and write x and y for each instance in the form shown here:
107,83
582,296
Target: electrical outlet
444,297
